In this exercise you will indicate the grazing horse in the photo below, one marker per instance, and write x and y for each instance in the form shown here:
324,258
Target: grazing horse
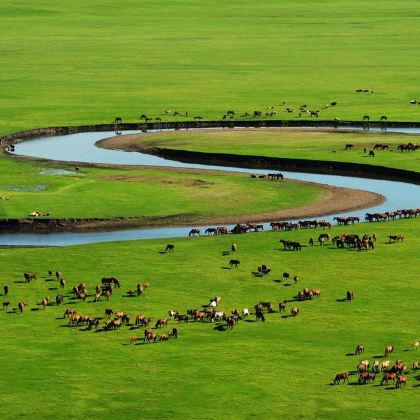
62,283
349,146
395,238
44,303
21,306
161,322
230,322
108,313
359,349
222,230
341,376
173,333
69,312
234,263
5,305
388,377
282,306
194,232
371,153
29,277
366,118
295,311
211,231
169,248
388,350
401,380
234,248
349,295
59,299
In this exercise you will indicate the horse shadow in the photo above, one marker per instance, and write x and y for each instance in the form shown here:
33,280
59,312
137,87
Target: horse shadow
162,252
221,327
19,281
379,356
36,309
225,253
287,284
226,268
53,288
250,320
48,279
286,316
350,354
277,281
341,300
127,296
257,274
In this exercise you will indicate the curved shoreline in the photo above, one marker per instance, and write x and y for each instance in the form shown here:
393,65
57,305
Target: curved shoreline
339,200
264,162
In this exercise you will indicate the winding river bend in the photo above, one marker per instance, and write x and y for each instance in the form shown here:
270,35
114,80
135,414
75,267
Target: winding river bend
81,148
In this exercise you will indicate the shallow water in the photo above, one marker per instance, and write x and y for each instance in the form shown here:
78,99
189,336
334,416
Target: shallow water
81,148
33,188
57,172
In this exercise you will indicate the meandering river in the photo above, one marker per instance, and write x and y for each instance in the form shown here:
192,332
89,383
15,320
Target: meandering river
81,148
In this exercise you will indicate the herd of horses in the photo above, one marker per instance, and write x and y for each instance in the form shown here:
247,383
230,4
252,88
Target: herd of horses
305,224
211,312
404,147
367,373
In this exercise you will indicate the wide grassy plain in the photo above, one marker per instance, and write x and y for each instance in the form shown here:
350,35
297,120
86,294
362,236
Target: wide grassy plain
70,63
90,61
294,144
179,196
283,367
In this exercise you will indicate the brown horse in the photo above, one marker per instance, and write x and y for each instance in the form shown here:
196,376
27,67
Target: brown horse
359,349
341,376
401,380
161,322
295,311
194,232
388,350
388,377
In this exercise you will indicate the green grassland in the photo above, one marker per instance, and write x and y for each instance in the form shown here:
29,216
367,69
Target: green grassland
316,145
89,61
105,193
71,63
283,367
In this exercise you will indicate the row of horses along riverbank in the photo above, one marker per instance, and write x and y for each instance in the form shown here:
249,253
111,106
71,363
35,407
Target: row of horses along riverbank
307,224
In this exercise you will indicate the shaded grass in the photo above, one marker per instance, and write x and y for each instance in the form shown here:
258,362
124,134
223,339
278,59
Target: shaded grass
275,365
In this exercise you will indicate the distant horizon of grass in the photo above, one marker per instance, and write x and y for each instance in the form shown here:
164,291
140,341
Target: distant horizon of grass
92,61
